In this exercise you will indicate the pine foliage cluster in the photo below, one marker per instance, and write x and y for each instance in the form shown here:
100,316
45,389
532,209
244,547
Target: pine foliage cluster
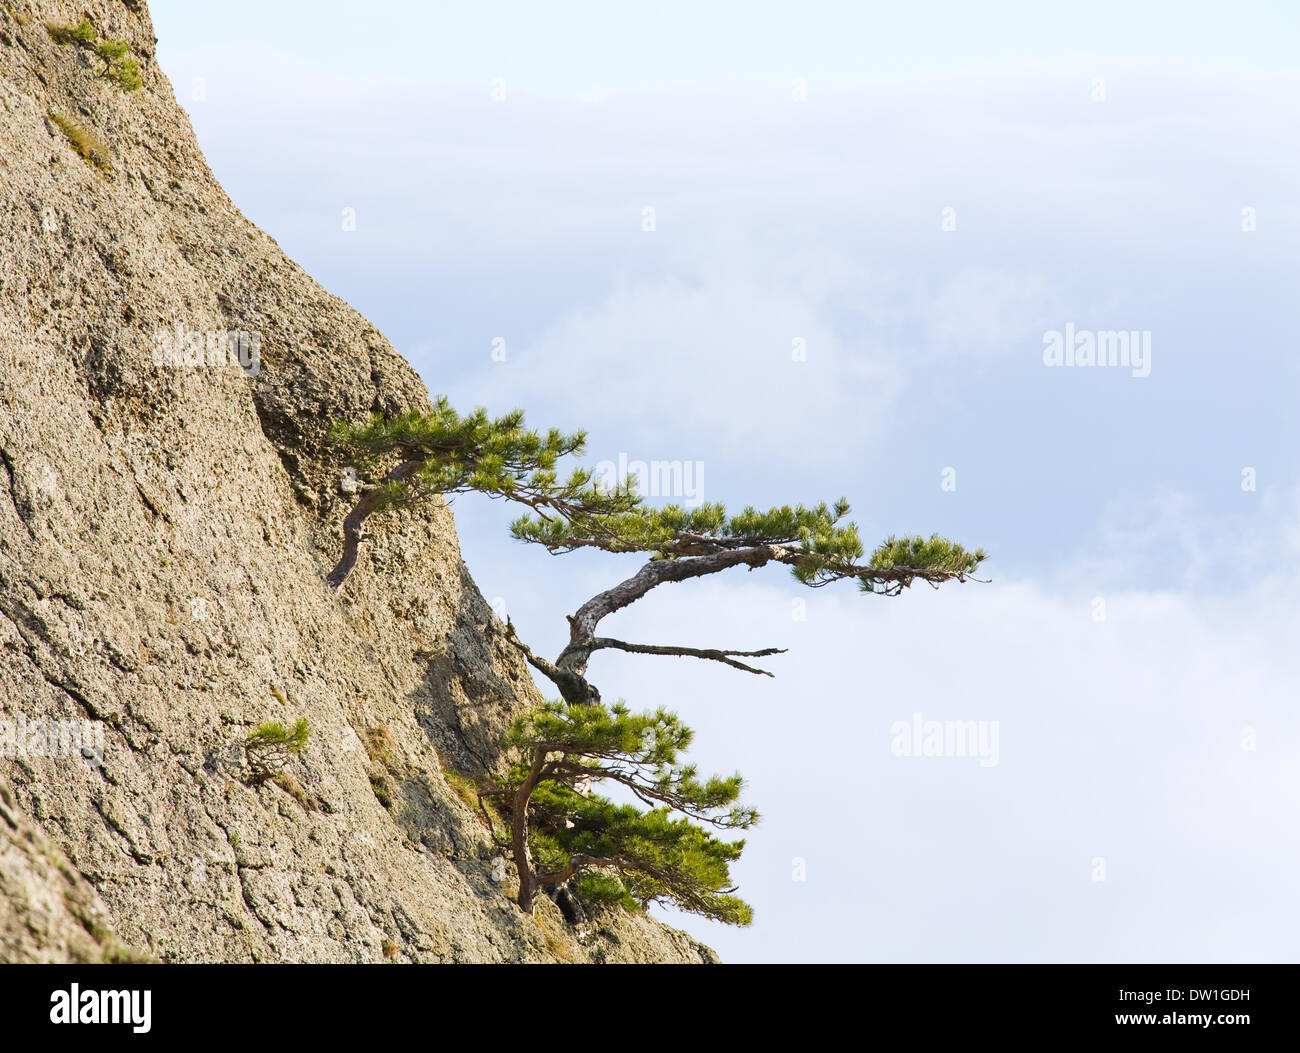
622,852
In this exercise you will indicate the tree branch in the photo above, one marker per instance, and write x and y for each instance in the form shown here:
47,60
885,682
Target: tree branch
352,524
718,554
576,863
573,687
713,654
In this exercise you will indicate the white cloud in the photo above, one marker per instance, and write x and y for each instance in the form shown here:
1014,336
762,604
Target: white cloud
990,311
713,359
1174,540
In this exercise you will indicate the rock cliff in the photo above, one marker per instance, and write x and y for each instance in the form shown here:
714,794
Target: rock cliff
168,514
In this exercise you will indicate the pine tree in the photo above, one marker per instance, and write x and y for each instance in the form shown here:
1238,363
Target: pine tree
619,851
561,829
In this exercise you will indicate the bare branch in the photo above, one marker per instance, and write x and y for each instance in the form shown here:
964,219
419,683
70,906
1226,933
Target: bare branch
711,653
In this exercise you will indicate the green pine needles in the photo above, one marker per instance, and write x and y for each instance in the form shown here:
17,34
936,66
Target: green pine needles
619,853
562,831
270,747
82,32
119,66
441,452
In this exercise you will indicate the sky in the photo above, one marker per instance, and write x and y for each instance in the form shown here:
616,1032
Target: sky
826,249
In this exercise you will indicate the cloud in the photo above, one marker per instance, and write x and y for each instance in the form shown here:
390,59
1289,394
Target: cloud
731,357
989,311
1176,541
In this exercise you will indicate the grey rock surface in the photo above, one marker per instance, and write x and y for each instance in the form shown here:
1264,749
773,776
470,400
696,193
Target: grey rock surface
48,911
165,532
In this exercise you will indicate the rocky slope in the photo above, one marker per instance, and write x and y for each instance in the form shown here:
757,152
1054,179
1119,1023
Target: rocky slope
48,911
165,532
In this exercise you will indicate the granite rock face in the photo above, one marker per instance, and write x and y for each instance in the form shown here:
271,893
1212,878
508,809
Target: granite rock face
166,526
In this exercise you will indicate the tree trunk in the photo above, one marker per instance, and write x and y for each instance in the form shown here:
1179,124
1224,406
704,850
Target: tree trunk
519,833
